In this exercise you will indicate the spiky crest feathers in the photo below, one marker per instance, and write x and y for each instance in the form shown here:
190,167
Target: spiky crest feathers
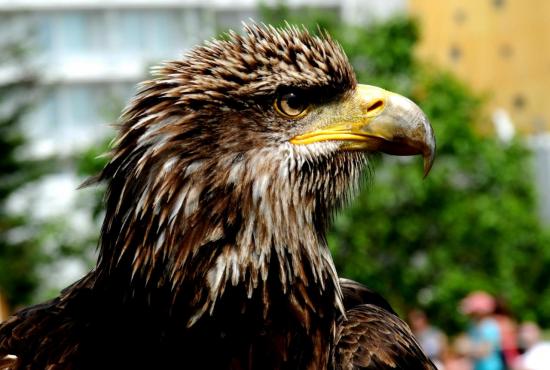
175,190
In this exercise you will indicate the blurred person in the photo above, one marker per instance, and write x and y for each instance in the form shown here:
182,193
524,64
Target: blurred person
456,356
537,352
508,333
484,333
431,339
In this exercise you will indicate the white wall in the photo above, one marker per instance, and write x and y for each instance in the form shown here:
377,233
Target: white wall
90,54
541,149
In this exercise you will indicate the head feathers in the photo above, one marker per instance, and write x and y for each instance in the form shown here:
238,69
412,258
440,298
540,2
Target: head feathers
203,175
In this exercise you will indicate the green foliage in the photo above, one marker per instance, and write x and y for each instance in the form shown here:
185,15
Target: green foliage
18,256
31,247
470,225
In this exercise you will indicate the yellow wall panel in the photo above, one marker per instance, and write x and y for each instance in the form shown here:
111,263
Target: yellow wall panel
500,47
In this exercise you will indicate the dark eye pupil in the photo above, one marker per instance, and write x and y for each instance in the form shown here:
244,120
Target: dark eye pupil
294,101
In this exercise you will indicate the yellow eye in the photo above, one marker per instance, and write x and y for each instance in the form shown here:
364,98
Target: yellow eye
291,105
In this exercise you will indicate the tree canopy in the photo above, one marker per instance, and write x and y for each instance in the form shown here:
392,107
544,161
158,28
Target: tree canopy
18,255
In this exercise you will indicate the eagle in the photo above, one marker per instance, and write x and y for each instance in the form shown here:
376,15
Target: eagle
226,171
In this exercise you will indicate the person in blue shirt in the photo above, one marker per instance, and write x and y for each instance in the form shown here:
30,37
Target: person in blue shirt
484,333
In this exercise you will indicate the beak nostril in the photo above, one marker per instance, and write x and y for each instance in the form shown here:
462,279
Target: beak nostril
375,105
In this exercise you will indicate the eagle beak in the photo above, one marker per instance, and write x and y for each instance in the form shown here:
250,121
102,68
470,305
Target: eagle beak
372,119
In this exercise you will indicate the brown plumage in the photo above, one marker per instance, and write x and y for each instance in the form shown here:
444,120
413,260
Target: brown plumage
226,171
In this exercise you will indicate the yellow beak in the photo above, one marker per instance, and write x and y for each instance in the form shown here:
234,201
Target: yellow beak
375,120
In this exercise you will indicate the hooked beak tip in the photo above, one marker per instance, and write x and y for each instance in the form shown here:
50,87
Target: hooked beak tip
428,162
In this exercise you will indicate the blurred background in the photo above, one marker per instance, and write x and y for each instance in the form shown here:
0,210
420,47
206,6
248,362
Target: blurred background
479,68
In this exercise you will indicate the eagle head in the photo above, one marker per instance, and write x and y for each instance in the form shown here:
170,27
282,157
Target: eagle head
230,161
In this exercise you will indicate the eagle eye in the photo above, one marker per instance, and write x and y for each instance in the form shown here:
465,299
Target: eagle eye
291,104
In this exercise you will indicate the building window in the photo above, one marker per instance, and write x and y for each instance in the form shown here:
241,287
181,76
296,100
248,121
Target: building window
499,3
455,53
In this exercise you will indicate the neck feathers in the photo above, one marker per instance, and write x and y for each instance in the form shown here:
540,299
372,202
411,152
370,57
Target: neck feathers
175,219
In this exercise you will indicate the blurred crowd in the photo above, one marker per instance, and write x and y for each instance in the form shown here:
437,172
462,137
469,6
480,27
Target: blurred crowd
493,341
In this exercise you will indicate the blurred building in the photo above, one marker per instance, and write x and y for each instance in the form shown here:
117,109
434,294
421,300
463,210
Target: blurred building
502,49
89,54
